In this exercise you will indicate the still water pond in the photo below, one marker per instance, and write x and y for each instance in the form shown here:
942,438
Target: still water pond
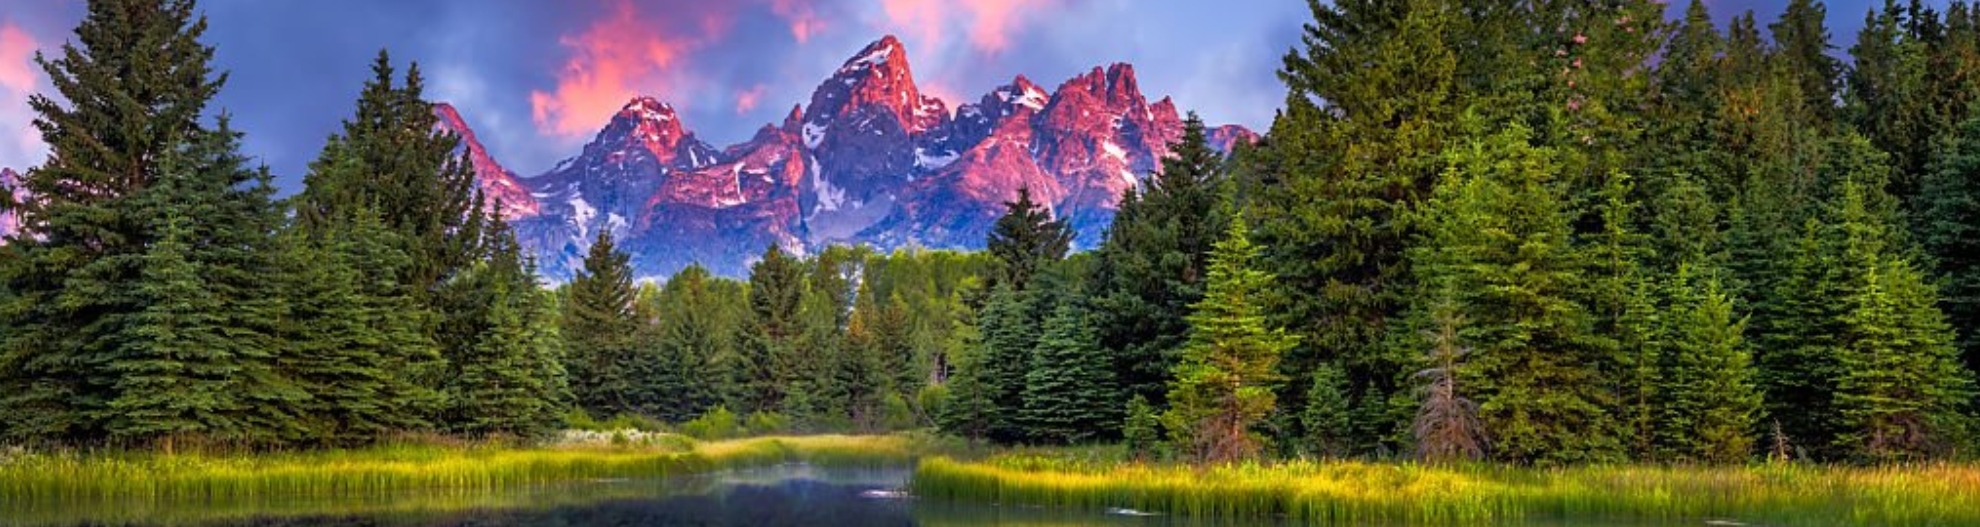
795,495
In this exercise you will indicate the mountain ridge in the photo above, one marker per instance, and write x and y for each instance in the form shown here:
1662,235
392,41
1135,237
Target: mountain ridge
869,159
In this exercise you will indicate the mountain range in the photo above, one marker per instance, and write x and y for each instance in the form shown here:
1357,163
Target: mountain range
870,159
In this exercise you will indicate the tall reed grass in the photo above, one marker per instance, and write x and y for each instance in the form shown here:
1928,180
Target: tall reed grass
71,476
1352,493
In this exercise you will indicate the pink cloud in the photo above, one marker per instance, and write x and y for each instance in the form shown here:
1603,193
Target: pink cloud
746,100
20,143
989,24
921,20
804,20
619,56
17,71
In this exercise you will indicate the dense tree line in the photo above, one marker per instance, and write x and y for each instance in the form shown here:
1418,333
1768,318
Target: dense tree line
158,291
844,340
1536,232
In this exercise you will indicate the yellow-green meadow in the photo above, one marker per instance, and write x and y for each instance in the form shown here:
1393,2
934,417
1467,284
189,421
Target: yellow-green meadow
1359,493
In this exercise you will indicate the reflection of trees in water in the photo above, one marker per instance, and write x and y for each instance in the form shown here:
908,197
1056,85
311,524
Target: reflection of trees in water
790,503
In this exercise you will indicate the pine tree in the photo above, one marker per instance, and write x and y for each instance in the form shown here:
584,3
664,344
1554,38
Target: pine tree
1802,41
1070,395
1370,99
1325,418
598,326
1224,384
691,341
1009,334
509,380
1026,238
776,290
859,367
1142,432
1501,243
1151,266
1799,340
969,408
405,169
1899,385
357,336
1641,341
1889,96
1713,404
1949,230
119,109
177,376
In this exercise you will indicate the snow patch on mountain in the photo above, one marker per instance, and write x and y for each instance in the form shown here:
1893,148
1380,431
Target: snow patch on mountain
581,215
933,162
814,133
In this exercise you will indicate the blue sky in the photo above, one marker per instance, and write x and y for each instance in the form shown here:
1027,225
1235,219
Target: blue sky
537,78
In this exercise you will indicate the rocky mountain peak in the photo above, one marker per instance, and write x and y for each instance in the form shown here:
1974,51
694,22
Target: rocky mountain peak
875,84
651,124
497,184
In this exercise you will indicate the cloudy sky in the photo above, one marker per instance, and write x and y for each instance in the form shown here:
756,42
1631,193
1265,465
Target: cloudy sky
537,78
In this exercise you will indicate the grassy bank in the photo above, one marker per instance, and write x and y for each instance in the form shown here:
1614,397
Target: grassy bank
1373,493
27,477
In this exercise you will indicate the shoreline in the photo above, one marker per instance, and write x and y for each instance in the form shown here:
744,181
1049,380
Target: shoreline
73,476
1359,493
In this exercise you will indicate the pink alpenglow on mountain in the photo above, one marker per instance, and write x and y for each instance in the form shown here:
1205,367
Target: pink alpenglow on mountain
870,159
497,184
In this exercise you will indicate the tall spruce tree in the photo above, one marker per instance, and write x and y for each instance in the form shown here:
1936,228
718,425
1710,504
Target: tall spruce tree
1070,394
1712,403
405,169
1009,334
357,337
776,290
130,88
1152,265
682,382
176,377
1899,386
1223,386
510,380
598,327
1501,242
1370,99
1889,95
969,407
1949,231
1801,40
229,219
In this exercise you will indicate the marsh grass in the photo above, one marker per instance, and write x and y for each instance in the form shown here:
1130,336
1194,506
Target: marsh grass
69,477
1351,493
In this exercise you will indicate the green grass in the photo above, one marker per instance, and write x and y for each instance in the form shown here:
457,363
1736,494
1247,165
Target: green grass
70,477
1348,493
